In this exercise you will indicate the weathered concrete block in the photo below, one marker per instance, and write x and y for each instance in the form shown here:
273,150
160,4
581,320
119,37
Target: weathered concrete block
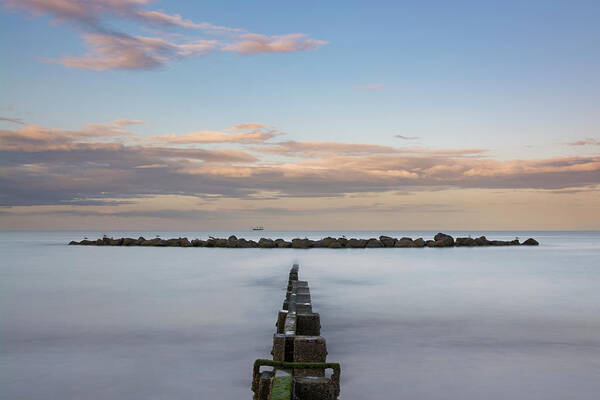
310,349
308,324
302,298
278,350
281,316
264,386
303,308
313,388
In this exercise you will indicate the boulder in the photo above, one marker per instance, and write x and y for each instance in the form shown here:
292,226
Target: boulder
419,242
232,241
264,243
173,243
387,241
184,242
445,240
530,242
154,242
335,245
465,241
87,242
342,241
356,243
130,242
282,244
373,243
482,241
441,241
220,242
302,243
405,242
198,243
72,242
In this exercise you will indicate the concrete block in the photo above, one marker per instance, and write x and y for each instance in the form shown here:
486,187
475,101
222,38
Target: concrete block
312,388
308,324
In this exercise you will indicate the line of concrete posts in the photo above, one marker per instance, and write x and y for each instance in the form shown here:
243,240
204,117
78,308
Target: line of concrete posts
299,368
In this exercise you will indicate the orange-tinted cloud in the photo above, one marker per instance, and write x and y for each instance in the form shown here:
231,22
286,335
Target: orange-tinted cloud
319,149
13,120
244,133
585,142
36,138
253,43
53,166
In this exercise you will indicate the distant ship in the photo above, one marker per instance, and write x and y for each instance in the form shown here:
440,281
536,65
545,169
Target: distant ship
258,228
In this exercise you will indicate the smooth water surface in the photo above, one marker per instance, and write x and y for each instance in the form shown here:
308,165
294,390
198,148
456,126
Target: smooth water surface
187,323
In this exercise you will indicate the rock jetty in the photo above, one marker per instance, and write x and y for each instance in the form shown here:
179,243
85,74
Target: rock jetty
439,240
297,370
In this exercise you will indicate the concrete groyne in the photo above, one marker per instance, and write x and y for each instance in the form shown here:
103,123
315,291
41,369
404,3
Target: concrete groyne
297,370
439,240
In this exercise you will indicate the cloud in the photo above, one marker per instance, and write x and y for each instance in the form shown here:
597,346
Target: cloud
36,138
369,87
407,137
89,13
110,49
258,133
320,149
585,142
253,43
105,161
251,125
13,120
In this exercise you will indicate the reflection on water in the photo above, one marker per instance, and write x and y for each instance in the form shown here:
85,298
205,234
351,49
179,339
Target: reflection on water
158,323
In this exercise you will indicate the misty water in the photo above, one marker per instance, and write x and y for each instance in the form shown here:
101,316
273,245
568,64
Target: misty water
187,323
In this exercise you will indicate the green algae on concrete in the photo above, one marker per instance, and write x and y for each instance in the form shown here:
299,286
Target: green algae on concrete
282,388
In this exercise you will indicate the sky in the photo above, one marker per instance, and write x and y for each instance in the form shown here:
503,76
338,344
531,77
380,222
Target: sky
141,114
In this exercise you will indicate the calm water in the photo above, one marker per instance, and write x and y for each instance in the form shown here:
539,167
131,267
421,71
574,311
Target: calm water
187,323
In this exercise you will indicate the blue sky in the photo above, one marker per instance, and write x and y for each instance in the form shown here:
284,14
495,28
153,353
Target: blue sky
518,79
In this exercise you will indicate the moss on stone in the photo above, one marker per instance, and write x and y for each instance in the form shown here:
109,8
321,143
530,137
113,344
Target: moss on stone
282,388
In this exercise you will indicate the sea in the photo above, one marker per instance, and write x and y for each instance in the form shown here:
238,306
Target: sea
494,323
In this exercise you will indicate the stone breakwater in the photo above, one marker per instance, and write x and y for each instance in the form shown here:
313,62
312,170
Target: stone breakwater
439,240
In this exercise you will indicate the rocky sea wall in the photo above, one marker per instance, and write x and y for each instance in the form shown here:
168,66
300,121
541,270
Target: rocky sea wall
439,240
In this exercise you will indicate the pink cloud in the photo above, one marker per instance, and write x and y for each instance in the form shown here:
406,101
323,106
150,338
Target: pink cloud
255,136
253,43
139,52
13,120
110,49
324,149
585,142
